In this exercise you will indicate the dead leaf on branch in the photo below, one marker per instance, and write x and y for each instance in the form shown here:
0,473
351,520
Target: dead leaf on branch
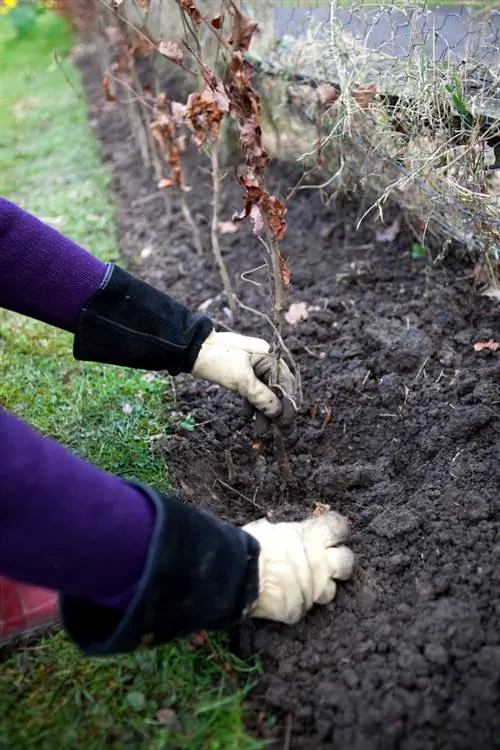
296,313
274,212
286,276
257,219
227,227
140,46
490,345
219,94
203,115
261,207
245,102
364,97
178,112
164,130
172,51
106,84
250,135
191,10
217,22
327,94
242,29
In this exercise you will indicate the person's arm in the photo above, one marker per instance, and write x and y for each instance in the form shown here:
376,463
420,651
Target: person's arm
114,548
135,567
118,319
43,274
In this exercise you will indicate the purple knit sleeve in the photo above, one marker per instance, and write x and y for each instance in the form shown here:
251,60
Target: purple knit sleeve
43,274
66,525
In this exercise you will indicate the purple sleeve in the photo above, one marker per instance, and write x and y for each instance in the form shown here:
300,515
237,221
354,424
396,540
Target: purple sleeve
43,274
66,525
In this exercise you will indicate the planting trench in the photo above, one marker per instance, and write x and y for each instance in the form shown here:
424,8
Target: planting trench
399,431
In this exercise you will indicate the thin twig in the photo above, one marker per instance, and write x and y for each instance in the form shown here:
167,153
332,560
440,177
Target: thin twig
68,80
141,34
231,297
186,211
287,744
240,494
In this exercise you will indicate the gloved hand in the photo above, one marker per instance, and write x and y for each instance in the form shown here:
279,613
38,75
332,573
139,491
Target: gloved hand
244,364
299,564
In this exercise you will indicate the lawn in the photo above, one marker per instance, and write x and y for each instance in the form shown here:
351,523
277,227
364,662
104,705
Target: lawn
50,696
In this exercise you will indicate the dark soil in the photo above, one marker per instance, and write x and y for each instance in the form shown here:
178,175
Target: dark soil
399,431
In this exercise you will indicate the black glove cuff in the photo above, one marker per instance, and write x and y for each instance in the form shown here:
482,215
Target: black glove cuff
130,323
201,574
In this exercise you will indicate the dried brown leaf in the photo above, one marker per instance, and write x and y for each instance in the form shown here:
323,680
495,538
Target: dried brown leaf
274,212
285,274
227,227
204,113
217,22
172,51
257,219
178,112
106,84
327,94
191,10
250,133
140,46
242,30
364,97
219,96
490,345
296,313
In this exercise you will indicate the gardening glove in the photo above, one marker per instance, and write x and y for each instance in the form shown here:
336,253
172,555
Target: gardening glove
245,364
299,564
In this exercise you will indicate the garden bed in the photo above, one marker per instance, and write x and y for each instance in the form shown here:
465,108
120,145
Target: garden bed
398,430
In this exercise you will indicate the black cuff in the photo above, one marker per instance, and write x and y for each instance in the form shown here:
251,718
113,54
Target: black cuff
201,574
130,323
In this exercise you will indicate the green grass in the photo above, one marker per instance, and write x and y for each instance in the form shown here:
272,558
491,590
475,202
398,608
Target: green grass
50,696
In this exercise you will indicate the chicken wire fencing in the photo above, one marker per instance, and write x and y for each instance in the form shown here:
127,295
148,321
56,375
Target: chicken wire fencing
412,101
392,101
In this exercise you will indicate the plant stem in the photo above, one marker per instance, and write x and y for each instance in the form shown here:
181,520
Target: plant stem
216,180
186,211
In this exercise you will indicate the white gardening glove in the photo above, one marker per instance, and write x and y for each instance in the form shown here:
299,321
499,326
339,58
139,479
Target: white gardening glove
245,364
299,564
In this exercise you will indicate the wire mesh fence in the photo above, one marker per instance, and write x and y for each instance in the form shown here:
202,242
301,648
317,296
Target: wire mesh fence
393,101
416,108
